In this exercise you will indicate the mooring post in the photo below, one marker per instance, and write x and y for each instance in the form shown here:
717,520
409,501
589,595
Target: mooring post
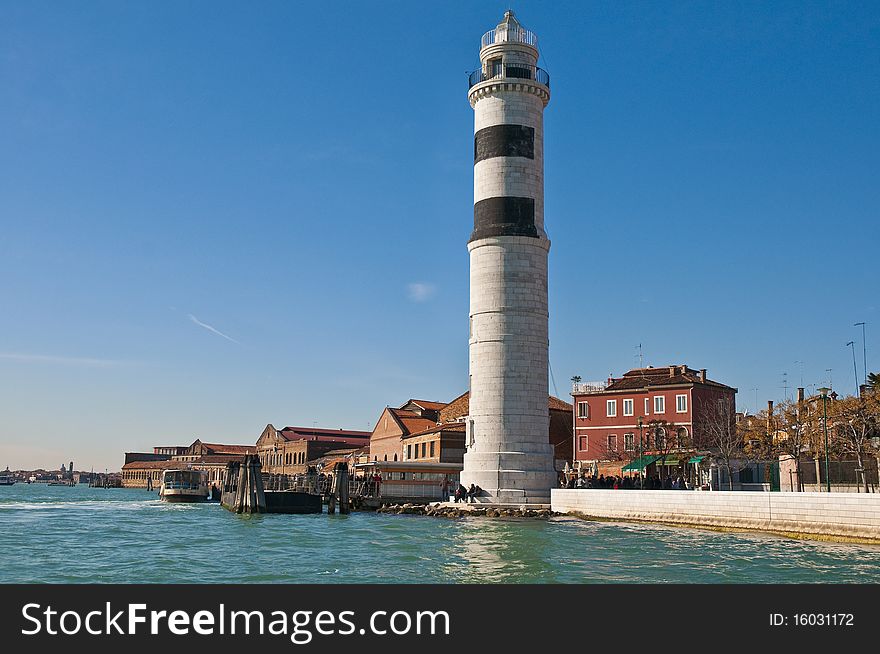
341,480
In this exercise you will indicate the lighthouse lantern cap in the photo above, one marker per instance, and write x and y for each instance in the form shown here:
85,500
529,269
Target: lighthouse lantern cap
509,22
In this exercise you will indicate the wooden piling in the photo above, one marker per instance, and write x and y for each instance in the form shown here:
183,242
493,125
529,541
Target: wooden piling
249,494
341,481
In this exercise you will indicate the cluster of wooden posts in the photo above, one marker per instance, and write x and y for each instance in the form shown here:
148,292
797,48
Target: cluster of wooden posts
243,486
243,491
339,490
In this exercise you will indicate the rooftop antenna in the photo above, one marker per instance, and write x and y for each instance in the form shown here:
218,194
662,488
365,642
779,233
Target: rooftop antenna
785,384
640,355
801,363
830,383
756,399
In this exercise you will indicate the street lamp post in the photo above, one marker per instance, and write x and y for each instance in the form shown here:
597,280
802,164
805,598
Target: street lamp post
824,392
641,463
864,350
852,346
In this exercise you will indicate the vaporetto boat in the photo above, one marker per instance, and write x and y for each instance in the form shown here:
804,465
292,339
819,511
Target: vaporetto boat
184,486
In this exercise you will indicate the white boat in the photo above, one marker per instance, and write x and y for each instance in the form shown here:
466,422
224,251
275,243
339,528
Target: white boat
7,480
184,486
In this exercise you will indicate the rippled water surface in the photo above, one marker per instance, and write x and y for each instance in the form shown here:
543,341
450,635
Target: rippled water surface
81,534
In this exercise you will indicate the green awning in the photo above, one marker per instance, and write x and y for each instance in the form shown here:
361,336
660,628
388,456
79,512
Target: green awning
640,463
696,459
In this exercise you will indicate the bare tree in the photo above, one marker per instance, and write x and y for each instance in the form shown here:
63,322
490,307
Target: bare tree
797,432
661,439
722,436
854,421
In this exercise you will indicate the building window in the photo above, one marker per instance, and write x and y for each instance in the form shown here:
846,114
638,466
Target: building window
681,436
611,408
647,406
681,403
629,442
612,443
432,449
424,445
660,438
409,451
583,410
628,407
583,443
659,404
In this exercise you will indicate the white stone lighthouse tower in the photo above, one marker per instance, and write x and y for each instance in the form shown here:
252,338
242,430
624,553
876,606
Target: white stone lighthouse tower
508,452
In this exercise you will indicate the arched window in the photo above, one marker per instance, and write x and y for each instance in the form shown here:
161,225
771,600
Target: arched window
682,436
395,457
660,438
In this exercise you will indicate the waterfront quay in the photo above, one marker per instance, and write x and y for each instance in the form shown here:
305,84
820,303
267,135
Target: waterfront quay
127,535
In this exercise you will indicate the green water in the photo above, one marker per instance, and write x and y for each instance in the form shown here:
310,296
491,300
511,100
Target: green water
87,535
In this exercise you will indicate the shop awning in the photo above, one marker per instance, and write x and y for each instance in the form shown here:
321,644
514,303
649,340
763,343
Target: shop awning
639,464
696,459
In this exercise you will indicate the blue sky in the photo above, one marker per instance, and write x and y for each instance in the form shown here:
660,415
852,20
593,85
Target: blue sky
218,215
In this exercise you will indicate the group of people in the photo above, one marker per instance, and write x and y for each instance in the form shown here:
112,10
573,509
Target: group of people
467,495
653,482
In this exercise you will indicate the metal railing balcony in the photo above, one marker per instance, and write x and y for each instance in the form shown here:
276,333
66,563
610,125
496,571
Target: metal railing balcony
588,387
510,35
516,71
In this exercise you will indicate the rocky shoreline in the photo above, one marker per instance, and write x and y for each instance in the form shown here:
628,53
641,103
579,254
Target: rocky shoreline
445,511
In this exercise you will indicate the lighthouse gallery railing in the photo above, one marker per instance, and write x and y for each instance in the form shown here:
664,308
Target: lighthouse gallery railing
516,71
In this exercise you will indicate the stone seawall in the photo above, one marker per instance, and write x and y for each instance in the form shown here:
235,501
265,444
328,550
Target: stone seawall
833,516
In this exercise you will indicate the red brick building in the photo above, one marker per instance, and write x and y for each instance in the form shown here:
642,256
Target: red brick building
412,417
673,404
290,450
433,432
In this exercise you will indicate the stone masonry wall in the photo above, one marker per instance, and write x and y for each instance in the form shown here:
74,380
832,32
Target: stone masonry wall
836,515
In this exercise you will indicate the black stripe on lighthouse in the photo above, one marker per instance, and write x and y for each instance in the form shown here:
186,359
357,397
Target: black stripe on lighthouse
504,216
504,141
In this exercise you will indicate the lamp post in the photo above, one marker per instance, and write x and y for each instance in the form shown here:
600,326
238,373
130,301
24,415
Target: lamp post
852,346
864,350
824,393
641,463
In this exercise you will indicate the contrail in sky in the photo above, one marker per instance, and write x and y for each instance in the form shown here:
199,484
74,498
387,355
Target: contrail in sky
211,329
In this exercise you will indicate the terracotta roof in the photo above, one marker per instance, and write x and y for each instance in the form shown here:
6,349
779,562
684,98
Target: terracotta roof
154,465
216,458
312,433
559,405
656,377
342,451
427,404
449,426
219,448
459,407
172,464
411,421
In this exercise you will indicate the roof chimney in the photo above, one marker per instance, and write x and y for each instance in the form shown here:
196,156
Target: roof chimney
672,371
800,395
703,375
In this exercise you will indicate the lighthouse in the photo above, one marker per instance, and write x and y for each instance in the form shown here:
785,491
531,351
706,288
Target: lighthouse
508,453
